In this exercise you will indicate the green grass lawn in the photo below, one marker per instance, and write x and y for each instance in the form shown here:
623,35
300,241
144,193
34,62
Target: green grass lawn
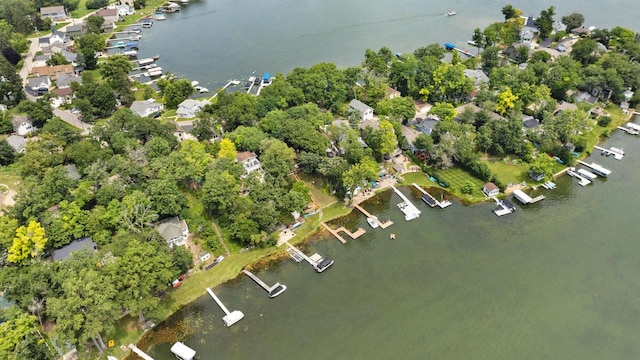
319,188
513,172
9,175
455,177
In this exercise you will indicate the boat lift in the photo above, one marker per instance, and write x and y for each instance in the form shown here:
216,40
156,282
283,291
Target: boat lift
231,317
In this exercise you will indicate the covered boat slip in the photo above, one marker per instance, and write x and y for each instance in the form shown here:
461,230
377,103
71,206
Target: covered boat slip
182,351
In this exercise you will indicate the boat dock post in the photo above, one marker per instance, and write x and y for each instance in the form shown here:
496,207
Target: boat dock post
382,225
139,352
441,204
230,318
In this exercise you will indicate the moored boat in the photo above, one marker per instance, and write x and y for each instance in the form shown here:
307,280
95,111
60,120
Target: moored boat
372,222
451,13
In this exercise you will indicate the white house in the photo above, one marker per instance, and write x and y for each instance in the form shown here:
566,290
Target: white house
249,161
146,108
39,84
190,107
125,10
22,125
366,111
490,189
174,230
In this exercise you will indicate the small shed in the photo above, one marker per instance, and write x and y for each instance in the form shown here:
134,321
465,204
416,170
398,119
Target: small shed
204,256
490,189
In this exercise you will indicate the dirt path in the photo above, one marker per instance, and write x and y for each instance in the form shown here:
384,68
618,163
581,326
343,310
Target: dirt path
217,230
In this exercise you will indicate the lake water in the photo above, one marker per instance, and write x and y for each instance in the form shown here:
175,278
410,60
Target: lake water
554,280
214,41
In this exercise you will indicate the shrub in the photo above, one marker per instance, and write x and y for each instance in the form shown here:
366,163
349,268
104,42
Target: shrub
604,121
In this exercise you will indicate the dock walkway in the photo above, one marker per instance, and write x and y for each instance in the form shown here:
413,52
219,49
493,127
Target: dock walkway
260,282
618,154
334,232
139,352
337,231
526,199
441,204
409,210
629,131
382,225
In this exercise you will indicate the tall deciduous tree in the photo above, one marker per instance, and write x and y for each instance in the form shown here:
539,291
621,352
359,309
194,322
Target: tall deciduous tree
544,22
28,243
573,20
227,149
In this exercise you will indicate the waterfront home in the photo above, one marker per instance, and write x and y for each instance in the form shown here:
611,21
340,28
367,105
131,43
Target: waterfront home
174,231
249,161
392,93
490,189
478,76
581,31
536,176
39,84
110,17
66,251
527,35
365,111
183,131
512,51
125,10
189,108
22,125
55,13
147,108
565,106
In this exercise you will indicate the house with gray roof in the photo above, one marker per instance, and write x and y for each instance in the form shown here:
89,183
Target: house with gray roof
76,245
189,108
366,111
40,84
174,231
55,13
75,31
65,80
529,122
147,108
565,106
17,142
478,76
40,60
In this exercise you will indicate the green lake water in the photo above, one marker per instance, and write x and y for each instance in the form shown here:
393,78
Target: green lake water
554,280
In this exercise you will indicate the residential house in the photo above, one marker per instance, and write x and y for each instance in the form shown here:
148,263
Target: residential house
61,96
624,106
478,76
536,176
490,189
628,95
17,142
249,161
558,26
512,51
189,108
174,231
475,109
55,13
529,122
147,108
565,106
586,97
529,22
56,37
581,31
75,31
527,35
22,125
39,84
72,172
65,80
71,57
110,17
372,123
76,245
40,60
422,107
204,256
392,93
52,71
126,10
366,111
410,135
427,125
183,131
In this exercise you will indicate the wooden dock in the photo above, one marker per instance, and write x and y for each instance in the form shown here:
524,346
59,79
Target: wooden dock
139,352
337,231
629,131
382,225
260,282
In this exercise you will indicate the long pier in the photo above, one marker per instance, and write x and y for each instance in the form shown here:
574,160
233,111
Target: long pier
231,82
409,210
618,154
231,317
301,254
139,352
629,131
267,288
596,169
441,204
382,225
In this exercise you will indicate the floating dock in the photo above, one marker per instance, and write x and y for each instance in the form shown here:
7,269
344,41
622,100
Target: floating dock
618,154
430,200
587,174
504,207
526,199
139,352
318,262
409,210
629,130
582,181
382,225
273,291
230,318
596,169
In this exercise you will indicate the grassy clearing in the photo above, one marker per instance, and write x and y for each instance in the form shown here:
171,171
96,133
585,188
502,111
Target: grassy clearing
456,178
510,172
9,175
319,189
81,10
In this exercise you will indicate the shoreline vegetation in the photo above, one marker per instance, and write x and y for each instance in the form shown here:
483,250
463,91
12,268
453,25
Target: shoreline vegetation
502,160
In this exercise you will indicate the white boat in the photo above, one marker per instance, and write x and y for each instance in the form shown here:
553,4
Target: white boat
201,89
182,351
195,83
451,13
159,17
278,289
372,222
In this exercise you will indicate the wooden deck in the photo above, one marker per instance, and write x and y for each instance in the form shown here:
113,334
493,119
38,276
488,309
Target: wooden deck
383,225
